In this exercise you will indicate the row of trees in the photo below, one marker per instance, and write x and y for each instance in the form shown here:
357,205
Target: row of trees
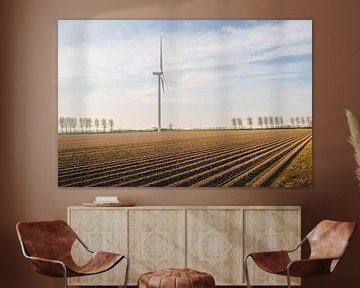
301,121
71,124
262,122
270,122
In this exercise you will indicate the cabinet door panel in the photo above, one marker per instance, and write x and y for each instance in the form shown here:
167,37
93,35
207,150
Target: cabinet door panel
214,244
270,230
156,240
100,230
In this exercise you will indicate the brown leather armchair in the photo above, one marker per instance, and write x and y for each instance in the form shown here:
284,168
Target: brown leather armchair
328,242
48,245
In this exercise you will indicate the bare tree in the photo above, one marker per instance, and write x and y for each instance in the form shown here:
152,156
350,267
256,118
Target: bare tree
104,124
292,121
250,121
297,120
303,121
260,121
74,123
97,124
309,121
88,124
233,122
71,123
62,124
82,124
111,124
67,124
271,121
281,120
171,126
238,122
276,120
266,121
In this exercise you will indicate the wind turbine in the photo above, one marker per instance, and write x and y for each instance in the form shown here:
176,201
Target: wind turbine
161,85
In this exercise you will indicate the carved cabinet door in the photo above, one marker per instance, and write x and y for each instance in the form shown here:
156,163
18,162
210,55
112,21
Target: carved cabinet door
270,230
101,230
214,244
156,240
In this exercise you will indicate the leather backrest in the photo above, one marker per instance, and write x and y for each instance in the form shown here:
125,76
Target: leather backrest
329,238
46,239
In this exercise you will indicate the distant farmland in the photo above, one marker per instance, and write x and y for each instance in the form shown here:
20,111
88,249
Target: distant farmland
279,157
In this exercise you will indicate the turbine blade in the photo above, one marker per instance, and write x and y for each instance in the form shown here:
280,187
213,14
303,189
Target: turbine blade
164,80
161,63
162,84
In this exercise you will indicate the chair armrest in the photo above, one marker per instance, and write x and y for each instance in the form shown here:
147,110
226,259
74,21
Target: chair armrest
309,267
280,251
48,267
298,246
269,252
271,261
84,245
45,260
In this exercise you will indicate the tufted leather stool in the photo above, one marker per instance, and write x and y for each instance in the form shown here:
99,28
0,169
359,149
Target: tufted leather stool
176,278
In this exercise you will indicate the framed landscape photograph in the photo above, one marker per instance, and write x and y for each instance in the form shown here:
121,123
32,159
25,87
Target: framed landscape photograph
185,103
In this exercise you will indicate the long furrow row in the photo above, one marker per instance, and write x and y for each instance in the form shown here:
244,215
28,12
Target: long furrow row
112,173
114,156
97,148
271,174
83,159
83,149
245,176
139,175
120,162
184,171
221,173
231,160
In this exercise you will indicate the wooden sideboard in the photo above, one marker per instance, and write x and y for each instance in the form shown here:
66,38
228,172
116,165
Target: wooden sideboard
212,239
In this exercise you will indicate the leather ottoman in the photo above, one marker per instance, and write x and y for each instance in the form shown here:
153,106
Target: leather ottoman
176,278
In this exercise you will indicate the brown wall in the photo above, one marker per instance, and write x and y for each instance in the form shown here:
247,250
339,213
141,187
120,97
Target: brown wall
28,117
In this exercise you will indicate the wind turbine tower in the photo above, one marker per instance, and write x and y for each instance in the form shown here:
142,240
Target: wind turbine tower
161,85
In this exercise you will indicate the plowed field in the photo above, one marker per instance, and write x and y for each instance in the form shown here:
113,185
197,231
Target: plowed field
198,158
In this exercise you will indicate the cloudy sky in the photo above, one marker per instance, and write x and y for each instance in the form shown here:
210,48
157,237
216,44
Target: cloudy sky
215,70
